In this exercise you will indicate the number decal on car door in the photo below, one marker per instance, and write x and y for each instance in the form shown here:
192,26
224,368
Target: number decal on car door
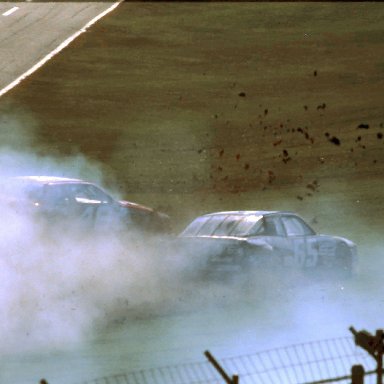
299,251
305,252
312,254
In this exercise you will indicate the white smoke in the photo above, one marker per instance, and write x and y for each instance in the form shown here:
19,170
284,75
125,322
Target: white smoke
57,284
58,287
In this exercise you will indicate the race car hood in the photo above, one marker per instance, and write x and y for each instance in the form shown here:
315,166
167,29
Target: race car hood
147,217
130,204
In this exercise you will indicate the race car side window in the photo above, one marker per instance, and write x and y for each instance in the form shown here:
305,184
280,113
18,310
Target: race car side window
272,226
296,227
269,227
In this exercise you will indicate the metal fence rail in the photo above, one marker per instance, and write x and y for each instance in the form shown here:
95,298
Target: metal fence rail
326,360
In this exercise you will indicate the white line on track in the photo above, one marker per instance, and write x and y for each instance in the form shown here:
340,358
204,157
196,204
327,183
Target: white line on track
10,11
57,49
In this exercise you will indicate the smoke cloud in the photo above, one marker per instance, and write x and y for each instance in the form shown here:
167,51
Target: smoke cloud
59,287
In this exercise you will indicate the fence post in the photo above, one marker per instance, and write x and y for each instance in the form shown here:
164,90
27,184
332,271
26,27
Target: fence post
224,375
379,359
374,346
357,373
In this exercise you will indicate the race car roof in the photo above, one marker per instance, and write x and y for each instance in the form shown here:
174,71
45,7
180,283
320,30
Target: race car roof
47,179
246,213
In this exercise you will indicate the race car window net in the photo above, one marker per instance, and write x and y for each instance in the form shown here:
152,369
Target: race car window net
296,227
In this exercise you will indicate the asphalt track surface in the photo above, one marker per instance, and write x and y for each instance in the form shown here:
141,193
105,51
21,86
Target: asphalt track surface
31,33
226,327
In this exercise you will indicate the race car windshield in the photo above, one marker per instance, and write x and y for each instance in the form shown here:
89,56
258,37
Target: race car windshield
194,227
75,192
19,189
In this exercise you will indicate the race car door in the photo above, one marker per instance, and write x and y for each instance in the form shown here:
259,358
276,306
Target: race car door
301,242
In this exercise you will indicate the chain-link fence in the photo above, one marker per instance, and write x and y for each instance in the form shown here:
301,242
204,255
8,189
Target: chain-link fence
318,361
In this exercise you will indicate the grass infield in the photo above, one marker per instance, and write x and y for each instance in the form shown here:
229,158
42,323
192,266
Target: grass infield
197,107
